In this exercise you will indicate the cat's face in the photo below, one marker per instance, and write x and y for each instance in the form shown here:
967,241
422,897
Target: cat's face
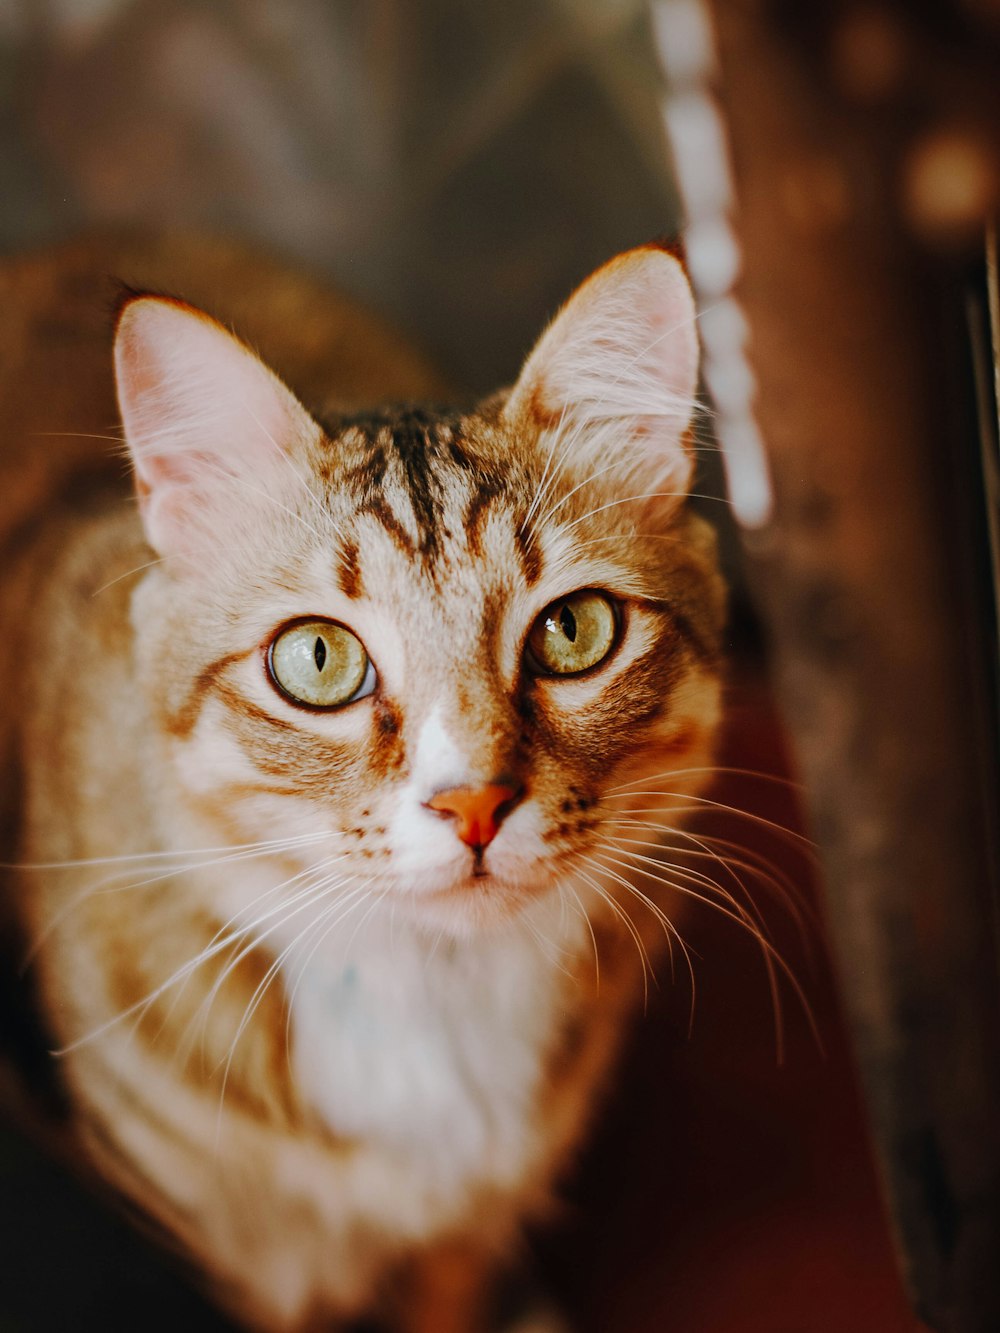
429,654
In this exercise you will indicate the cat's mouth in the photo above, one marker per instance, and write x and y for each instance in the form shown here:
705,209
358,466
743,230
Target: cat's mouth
474,896
480,879
527,878
463,887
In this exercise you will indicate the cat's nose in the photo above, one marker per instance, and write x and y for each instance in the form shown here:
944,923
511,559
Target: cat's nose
478,811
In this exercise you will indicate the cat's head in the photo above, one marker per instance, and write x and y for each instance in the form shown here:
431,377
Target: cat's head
432,657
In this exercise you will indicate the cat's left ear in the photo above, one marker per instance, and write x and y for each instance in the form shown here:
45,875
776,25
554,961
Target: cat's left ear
210,428
616,373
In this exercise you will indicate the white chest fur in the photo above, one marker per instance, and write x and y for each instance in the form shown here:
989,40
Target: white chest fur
430,1059
433,1054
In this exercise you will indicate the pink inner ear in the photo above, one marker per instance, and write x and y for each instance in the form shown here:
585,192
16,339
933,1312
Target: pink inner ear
206,422
623,352
160,475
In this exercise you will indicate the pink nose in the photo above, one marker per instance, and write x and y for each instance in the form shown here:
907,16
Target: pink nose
478,811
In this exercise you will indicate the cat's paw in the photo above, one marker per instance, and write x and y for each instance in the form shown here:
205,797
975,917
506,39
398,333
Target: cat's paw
540,1318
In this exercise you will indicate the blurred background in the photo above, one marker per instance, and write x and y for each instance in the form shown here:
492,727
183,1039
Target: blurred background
459,166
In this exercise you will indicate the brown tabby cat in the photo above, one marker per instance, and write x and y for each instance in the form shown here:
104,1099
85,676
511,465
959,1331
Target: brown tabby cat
341,763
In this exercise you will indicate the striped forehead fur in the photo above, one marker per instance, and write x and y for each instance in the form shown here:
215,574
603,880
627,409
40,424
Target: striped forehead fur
429,477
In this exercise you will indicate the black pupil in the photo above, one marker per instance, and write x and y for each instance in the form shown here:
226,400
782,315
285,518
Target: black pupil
319,654
568,622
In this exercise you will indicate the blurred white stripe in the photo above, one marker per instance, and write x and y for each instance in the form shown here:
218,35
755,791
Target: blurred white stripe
696,135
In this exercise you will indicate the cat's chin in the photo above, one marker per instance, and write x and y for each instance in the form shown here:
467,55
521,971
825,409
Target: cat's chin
472,904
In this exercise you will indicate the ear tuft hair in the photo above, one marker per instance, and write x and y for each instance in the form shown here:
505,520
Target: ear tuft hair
616,373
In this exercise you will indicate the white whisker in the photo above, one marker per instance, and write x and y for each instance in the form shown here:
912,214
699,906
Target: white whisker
283,454
771,958
670,931
136,569
627,921
249,851
593,938
256,999
218,944
707,803
635,499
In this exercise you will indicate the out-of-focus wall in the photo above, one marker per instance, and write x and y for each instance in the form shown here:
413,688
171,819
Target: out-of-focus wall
460,164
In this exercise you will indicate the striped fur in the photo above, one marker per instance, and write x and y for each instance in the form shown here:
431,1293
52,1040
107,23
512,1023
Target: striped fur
302,1028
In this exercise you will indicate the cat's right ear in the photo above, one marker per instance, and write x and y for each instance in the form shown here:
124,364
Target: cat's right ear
208,426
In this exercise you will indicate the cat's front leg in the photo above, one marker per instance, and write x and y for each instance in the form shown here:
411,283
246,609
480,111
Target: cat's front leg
455,1288
447,1289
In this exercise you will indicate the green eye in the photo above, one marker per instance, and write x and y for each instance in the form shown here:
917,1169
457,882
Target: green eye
318,663
573,634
